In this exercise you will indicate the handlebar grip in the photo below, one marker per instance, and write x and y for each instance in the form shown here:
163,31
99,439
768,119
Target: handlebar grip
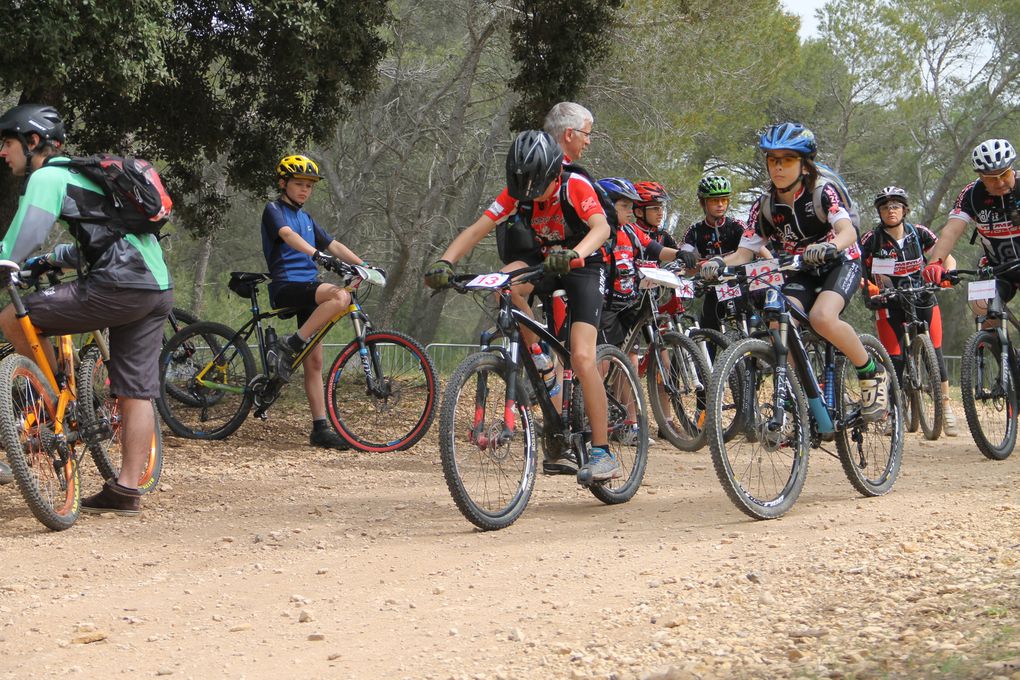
577,263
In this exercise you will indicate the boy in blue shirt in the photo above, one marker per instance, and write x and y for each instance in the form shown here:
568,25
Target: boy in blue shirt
293,245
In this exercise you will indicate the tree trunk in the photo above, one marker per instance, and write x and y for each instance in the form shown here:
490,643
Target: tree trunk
198,289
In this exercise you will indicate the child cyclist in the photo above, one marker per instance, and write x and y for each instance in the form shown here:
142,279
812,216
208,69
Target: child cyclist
716,235
795,229
534,173
906,245
650,211
294,245
632,244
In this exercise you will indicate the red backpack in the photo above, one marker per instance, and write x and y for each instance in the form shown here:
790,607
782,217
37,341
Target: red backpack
139,202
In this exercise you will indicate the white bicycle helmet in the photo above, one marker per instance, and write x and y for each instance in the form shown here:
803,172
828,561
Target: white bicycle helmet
992,155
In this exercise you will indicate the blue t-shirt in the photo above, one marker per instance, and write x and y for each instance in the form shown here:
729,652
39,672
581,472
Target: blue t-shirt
286,264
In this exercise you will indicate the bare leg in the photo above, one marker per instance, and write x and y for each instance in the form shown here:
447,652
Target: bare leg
137,431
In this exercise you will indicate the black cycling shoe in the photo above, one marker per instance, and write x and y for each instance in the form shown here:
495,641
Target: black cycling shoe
280,357
328,439
564,464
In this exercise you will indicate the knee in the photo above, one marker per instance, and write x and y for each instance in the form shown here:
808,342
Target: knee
313,364
582,358
822,319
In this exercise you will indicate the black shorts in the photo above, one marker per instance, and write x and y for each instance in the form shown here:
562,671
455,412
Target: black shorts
297,294
617,323
586,292
134,316
843,278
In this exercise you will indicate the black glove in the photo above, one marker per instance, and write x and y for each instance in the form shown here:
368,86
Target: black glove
817,254
324,260
558,261
710,270
439,274
689,258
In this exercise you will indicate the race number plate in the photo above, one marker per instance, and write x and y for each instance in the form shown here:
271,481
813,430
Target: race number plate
488,281
727,292
883,265
981,290
763,274
685,289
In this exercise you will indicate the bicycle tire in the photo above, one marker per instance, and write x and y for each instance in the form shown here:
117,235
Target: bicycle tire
991,407
614,364
467,463
374,423
782,458
175,322
27,401
720,342
929,415
688,376
218,412
870,455
912,416
99,415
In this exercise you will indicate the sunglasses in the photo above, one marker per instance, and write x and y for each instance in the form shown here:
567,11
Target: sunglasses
1005,175
782,161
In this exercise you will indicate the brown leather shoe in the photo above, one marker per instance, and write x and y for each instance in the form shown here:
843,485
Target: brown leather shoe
114,498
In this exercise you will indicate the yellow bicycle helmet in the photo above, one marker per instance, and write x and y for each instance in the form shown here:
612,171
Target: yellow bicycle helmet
300,167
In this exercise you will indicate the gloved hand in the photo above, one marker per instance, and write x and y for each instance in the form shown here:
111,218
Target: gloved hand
324,259
710,270
934,272
816,254
38,265
870,291
558,261
438,275
689,258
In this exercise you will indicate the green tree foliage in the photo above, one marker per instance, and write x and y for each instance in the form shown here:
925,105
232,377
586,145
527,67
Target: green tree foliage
195,83
556,43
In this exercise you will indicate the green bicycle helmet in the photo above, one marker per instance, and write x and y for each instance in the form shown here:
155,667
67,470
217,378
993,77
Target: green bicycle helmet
714,186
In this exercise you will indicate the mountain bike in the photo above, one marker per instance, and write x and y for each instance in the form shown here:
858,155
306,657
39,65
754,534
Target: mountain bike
922,379
673,365
486,434
49,415
784,413
990,367
380,389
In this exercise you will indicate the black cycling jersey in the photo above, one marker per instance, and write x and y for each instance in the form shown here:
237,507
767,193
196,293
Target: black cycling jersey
908,254
707,241
1000,237
660,236
794,228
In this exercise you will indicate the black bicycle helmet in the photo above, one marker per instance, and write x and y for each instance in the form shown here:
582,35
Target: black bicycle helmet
891,194
534,160
25,119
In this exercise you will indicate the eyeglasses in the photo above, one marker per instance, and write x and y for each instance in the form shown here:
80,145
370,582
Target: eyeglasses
1003,176
891,205
782,161
586,133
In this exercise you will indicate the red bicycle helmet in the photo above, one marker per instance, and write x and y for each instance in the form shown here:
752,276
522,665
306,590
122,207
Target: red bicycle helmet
649,193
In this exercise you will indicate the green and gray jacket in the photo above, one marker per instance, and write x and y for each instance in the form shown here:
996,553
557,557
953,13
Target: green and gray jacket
103,253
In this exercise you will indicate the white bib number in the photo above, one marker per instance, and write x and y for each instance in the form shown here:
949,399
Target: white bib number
488,281
883,265
727,292
685,289
981,290
763,274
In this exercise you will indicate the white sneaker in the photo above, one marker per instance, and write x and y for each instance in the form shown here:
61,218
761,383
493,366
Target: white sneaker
875,396
949,419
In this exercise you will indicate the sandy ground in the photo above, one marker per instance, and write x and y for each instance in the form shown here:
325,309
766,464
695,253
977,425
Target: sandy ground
259,557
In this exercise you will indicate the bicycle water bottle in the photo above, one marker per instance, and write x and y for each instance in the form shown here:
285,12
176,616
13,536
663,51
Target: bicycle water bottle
270,337
546,368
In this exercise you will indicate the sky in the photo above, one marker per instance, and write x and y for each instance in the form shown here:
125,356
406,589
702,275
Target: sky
806,10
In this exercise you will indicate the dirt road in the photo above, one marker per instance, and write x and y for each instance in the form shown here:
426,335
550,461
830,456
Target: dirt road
262,558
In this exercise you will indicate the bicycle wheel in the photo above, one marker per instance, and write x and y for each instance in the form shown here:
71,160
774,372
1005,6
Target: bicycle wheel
870,452
989,396
51,489
715,343
397,408
627,423
762,470
176,321
678,397
490,475
929,386
911,405
99,419
219,404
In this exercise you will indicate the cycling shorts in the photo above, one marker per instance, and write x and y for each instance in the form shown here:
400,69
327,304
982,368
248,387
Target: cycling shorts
843,277
297,294
617,323
586,291
135,317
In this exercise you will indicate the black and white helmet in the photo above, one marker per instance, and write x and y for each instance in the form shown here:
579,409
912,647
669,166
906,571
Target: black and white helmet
534,160
891,193
992,155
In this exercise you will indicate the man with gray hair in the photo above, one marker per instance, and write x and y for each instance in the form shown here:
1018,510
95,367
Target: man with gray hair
570,125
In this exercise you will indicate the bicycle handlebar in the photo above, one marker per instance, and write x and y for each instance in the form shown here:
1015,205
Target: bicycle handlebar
523,275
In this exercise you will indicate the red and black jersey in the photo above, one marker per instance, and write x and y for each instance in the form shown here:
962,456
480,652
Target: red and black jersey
1000,237
547,218
706,240
795,227
908,254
